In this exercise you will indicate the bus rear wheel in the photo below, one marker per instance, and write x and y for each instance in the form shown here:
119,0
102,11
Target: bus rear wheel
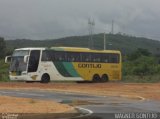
96,78
45,78
104,78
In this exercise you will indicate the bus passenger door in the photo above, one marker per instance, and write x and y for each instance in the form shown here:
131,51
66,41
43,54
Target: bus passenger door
33,61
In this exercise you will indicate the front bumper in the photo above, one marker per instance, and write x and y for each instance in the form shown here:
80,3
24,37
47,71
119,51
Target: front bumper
18,78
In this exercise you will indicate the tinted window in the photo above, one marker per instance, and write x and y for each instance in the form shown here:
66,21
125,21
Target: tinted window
73,57
105,58
58,56
52,55
96,57
86,57
114,58
45,56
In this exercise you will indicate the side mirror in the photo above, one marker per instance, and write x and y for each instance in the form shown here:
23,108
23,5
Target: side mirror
7,59
26,58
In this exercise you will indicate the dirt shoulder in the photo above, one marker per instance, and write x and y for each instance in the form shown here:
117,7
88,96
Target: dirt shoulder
25,105
146,90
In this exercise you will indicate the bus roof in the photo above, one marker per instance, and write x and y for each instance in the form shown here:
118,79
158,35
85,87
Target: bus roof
79,49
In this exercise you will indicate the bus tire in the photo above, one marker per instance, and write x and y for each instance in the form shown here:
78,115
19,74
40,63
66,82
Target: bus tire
45,78
104,78
96,78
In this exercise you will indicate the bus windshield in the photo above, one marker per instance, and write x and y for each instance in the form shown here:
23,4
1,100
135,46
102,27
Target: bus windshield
17,62
20,53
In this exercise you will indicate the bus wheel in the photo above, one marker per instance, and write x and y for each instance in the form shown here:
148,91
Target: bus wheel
104,78
96,78
45,78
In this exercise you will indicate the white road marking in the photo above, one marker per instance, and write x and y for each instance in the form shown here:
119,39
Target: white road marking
136,96
142,98
89,112
31,94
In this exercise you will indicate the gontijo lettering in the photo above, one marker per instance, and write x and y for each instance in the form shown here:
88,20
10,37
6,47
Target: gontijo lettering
89,65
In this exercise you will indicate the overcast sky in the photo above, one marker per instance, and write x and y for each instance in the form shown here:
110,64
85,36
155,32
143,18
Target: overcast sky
43,19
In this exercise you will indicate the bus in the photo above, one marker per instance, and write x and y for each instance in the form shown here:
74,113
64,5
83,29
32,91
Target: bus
64,64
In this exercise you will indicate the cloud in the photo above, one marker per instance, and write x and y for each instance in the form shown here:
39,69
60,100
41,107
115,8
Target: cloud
42,19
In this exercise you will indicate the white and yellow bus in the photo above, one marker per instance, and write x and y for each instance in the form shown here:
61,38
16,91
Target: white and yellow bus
64,64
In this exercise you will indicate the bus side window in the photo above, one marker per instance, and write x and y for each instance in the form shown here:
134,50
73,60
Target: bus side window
72,57
56,56
60,56
86,57
95,57
45,55
105,58
114,58
69,57
76,57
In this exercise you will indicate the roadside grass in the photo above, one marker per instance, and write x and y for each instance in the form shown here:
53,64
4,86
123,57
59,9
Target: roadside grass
3,71
141,79
4,76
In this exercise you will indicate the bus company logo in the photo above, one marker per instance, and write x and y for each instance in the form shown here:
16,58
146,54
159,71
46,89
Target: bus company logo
89,66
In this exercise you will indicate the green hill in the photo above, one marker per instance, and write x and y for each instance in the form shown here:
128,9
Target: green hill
124,43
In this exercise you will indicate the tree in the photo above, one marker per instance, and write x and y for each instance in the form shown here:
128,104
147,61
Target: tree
2,47
141,62
144,65
138,53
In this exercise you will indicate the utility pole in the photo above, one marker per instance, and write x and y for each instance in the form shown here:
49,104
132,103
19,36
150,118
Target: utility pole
112,32
104,41
91,25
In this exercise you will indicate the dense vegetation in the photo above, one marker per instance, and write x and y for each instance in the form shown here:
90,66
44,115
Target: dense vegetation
2,47
3,71
126,44
141,57
141,66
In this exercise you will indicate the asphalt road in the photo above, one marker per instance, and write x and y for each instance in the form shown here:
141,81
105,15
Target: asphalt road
97,106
